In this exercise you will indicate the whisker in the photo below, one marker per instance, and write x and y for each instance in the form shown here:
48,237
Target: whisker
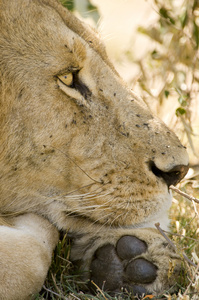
80,188
82,197
88,209
69,193
74,163
104,224
88,199
101,205
96,221
115,219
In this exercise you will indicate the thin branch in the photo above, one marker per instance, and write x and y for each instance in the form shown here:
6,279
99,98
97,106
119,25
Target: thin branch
181,235
101,292
191,282
75,297
50,291
157,225
191,198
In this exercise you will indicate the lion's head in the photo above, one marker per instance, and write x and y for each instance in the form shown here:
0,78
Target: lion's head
76,144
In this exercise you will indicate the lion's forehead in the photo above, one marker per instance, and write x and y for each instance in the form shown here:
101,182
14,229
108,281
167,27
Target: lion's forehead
44,35
48,21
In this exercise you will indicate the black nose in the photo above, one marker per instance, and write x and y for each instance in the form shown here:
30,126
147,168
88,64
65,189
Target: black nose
173,176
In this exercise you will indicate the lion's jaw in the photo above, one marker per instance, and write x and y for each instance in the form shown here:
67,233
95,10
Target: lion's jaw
85,154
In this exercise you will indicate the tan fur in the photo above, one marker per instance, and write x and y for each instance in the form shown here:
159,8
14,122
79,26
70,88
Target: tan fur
82,161
25,256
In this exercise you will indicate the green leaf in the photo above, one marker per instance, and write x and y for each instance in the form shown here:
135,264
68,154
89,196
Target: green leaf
153,33
196,33
155,54
182,101
93,11
180,111
69,4
91,6
184,19
165,14
166,93
85,8
195,4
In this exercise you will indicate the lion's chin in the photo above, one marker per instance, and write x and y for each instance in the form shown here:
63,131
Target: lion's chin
77,220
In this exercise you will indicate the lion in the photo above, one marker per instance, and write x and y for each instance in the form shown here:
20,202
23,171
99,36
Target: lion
79,152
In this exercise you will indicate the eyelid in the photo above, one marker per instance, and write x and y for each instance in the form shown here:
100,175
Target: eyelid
68,70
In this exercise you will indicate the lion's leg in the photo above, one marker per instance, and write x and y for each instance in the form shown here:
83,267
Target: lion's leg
25,256
138,260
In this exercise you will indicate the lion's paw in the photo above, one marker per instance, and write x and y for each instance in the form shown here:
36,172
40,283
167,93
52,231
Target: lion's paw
125,267
117,268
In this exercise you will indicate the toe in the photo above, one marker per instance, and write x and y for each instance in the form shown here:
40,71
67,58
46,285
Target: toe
107,269
129,247
138,290
141,271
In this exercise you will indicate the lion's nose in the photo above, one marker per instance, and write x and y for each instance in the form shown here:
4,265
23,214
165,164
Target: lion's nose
173,176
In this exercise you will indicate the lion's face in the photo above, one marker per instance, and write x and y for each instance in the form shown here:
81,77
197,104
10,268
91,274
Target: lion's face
76,143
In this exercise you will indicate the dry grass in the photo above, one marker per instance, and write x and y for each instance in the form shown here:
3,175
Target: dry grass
185,228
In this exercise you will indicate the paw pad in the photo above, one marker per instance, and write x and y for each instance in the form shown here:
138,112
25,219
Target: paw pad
141,271
114,268
129,246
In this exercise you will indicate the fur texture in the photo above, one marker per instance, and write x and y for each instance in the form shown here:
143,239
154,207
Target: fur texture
89,157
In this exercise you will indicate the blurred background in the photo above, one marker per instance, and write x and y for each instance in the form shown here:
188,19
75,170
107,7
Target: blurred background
154,46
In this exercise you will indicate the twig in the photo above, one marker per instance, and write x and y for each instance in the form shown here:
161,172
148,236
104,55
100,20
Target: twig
191,198
195,209
75,297
99,289
181,235
60,296
187,289
157,225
